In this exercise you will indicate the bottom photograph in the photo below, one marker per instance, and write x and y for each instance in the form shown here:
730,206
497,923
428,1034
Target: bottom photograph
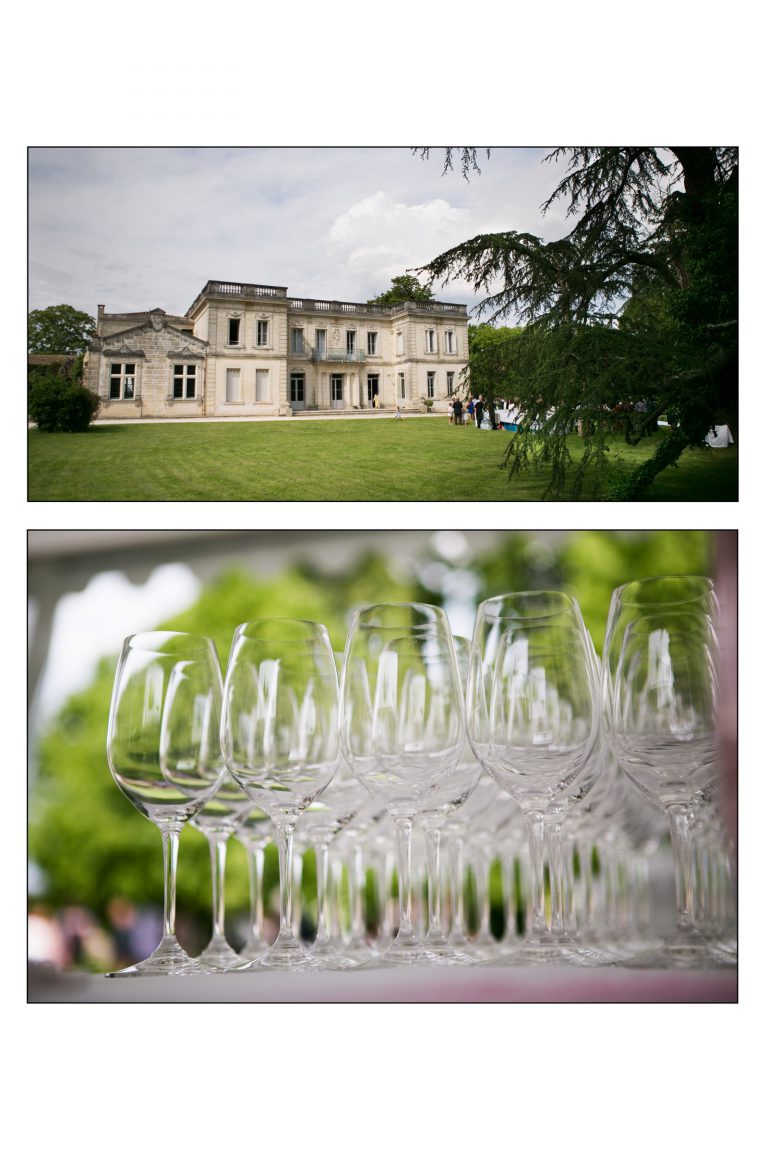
382,766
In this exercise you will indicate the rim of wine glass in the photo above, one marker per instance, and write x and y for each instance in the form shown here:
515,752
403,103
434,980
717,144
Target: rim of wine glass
151,641
705,584
307,628
487,608
438,616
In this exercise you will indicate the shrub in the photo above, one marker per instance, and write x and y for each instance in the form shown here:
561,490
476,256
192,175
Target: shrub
57,404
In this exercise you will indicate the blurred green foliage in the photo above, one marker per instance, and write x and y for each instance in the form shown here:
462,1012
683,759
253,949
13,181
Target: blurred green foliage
92,845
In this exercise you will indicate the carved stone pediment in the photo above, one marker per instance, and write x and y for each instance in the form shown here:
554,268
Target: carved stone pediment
184,354
124,350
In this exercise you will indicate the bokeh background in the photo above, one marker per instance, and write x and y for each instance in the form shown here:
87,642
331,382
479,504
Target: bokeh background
95,864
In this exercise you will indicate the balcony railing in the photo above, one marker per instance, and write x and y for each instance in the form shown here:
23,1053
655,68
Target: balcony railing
231,288
324,356
303,305
342,307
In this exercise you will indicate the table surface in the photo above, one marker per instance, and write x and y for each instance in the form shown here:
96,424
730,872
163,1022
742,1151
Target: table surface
482,984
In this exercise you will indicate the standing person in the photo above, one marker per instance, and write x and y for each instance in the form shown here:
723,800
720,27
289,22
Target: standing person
471,410
479,411
398,413
458,411
492,415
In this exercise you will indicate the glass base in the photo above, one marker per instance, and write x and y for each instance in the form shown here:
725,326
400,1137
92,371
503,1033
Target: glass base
447,953
326,956
683,952
252,950
168,959
285,955
219,956
404,949
360,951
551,949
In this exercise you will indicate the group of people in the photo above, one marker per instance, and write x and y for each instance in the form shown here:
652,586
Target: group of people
477,411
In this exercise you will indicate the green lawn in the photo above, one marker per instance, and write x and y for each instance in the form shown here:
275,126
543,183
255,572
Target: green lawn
353,460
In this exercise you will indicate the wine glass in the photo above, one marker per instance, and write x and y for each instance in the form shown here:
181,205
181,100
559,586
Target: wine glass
280,741
218,819
663,719
637,598
446,798
533,718
164,754
402,726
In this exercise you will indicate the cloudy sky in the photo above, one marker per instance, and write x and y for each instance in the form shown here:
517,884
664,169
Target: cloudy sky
140,228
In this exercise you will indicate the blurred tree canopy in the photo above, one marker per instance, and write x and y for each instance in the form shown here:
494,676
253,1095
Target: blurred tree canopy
92,844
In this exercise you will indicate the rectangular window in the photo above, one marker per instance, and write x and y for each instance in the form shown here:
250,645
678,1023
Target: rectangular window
449,383
431,384
122,381
399,342
430,334
373,343
297,340
233,332
297,388
337,389
351,343
401,385
233,386
450,344
184,377
320,341
262,385
262,333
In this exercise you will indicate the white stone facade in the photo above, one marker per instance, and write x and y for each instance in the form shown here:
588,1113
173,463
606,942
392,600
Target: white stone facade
250,349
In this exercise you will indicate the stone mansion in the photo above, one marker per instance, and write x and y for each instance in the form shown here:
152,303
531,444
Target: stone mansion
251,350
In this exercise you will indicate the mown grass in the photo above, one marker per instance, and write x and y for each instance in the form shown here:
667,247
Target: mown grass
333,460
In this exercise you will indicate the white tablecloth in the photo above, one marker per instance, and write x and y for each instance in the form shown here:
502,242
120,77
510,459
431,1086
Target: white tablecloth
491,984
720,437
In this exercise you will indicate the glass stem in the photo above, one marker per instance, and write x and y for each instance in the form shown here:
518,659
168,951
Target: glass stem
554,843
322,935
587,890
456,887
404,830
680,833
284,837
255,884
357,884
171,833
535,823
217,843
432,840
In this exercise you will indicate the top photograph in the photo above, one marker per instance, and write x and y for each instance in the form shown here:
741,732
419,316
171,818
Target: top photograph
318,324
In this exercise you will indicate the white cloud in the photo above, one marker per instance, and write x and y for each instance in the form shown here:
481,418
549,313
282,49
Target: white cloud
137,228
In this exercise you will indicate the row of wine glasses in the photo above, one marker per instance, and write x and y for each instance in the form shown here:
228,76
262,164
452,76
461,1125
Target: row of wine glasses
520,749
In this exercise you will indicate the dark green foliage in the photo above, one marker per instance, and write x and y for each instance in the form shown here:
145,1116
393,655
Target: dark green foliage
493,363
637,304
404,289
60,404
60,328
